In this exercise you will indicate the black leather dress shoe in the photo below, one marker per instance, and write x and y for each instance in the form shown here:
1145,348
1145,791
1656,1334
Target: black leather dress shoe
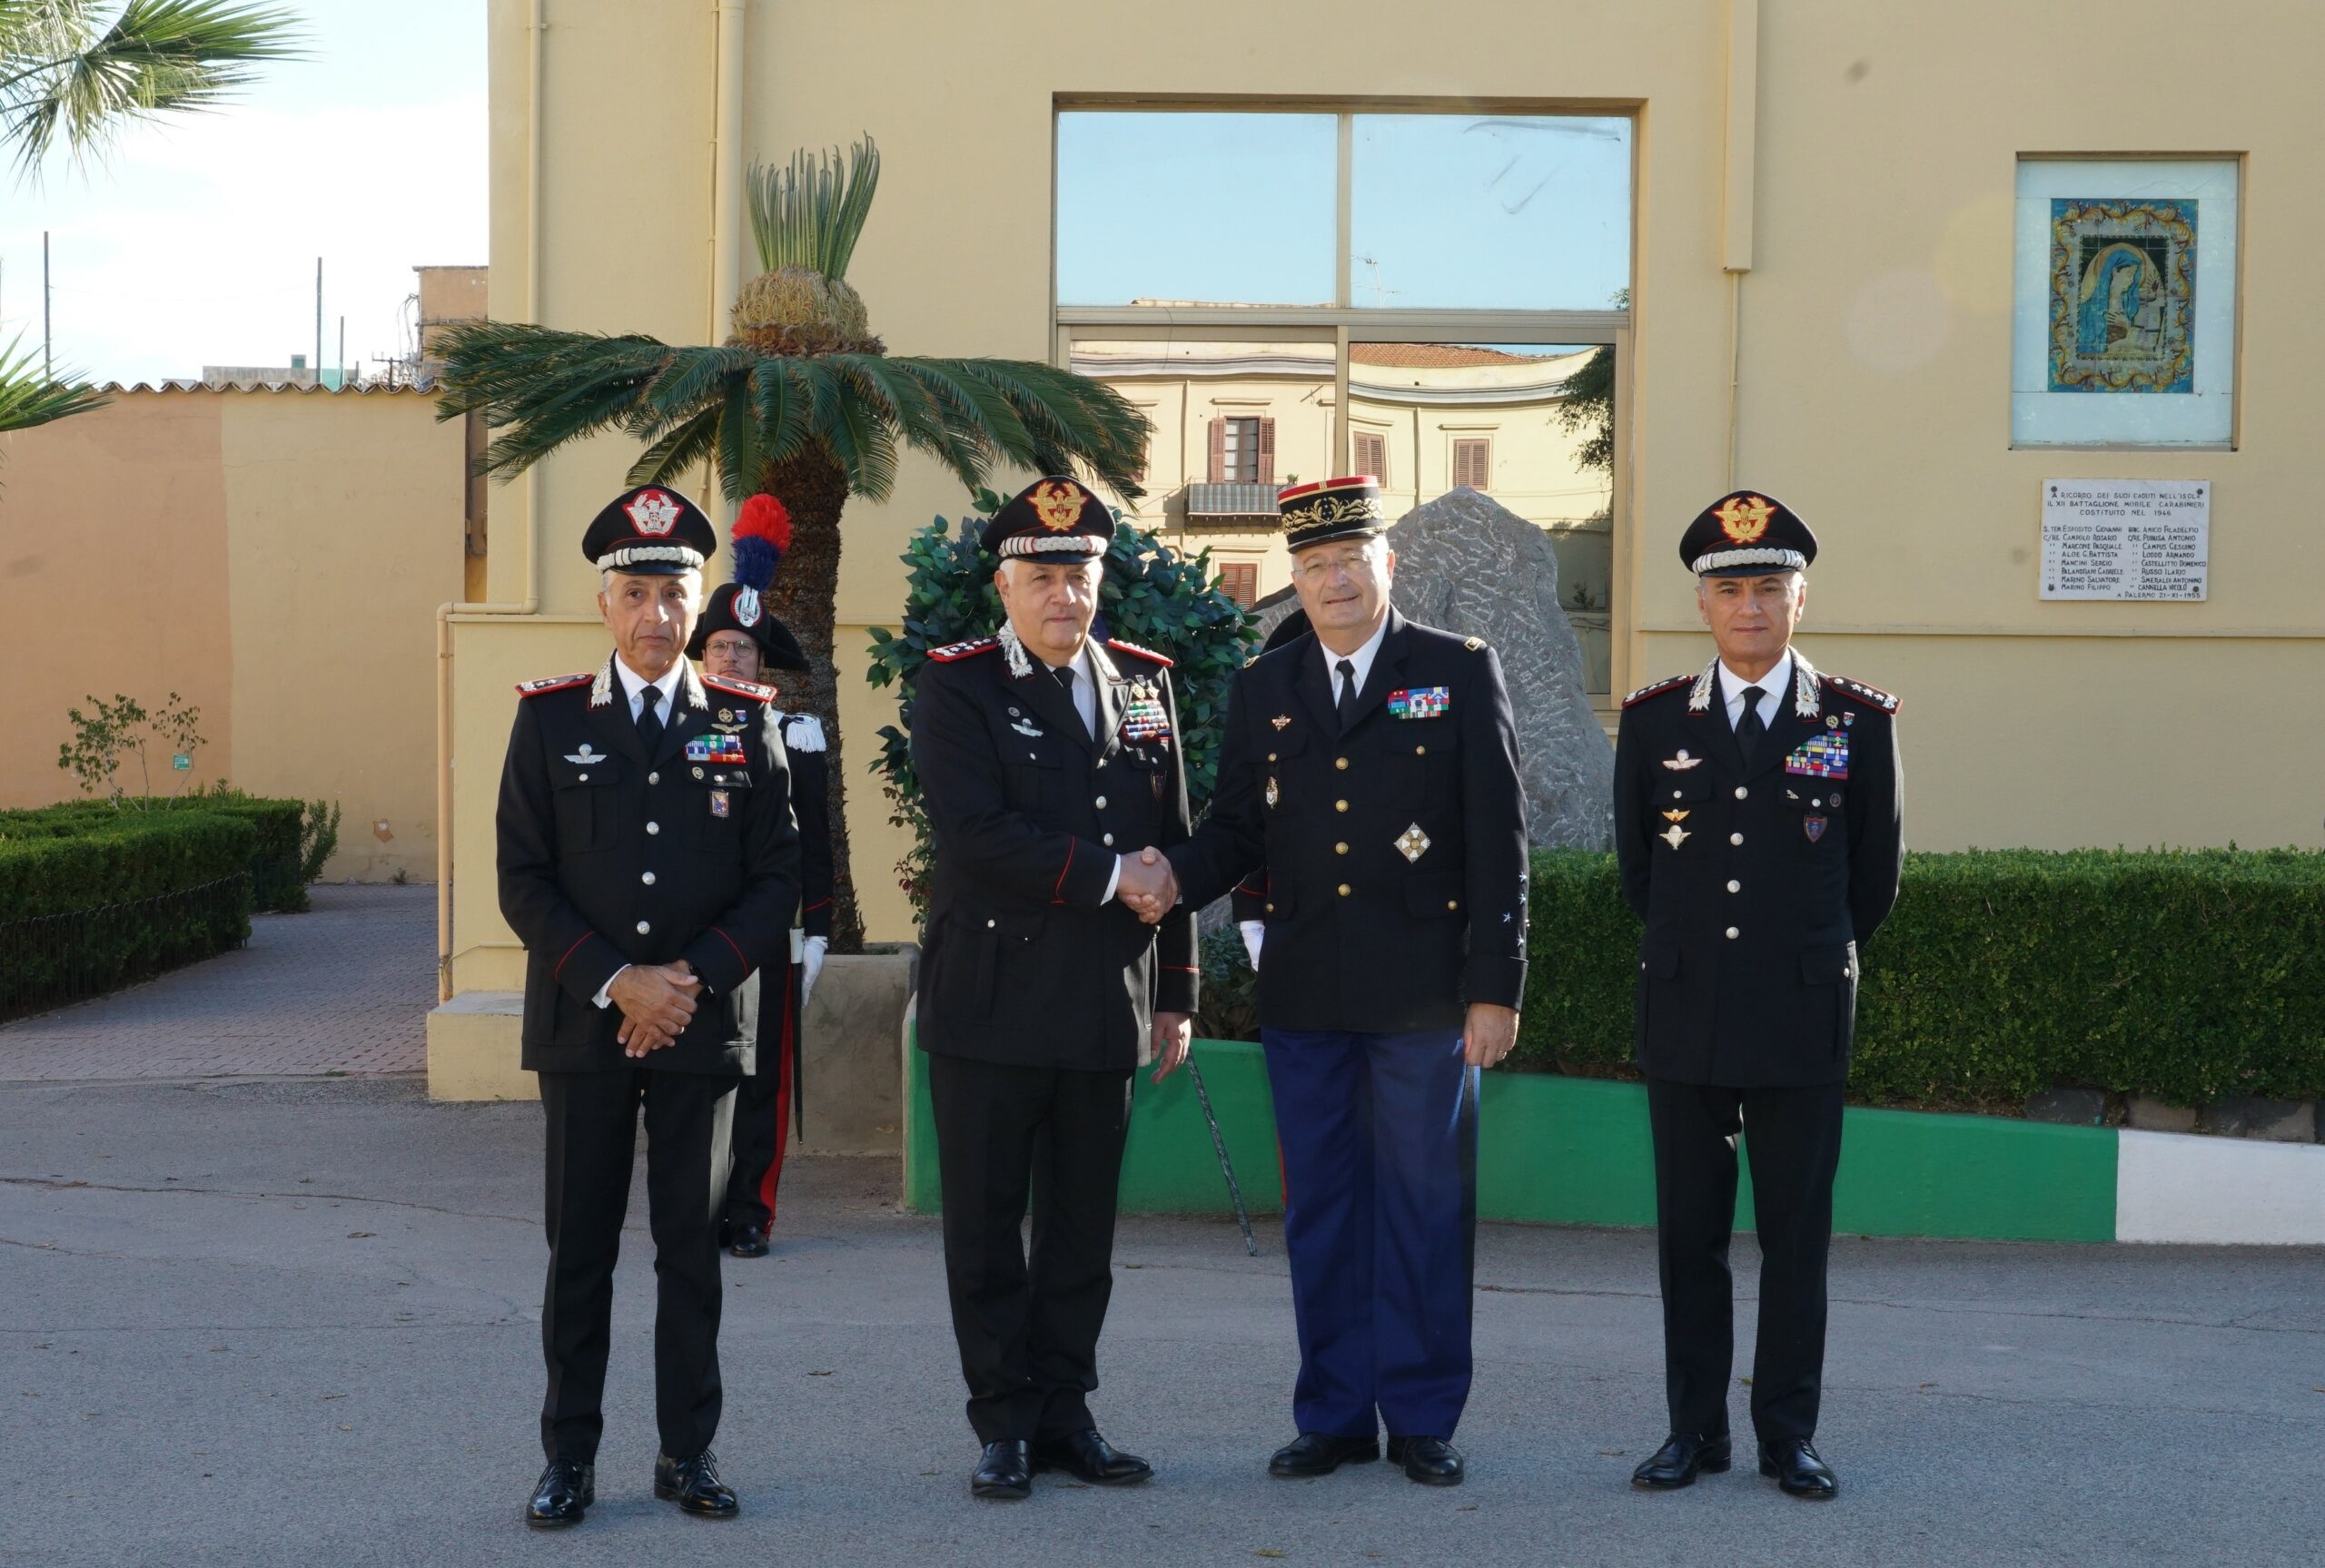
694,1485
1797,1469
1431,1461
1004,1473
565,1489
1320,1453
747,1241
1682,1457
1087,1456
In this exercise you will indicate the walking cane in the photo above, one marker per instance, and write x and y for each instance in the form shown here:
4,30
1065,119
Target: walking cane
1226,1167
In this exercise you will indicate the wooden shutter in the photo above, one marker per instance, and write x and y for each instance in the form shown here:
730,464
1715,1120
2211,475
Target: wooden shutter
1472,463
1267,451
1219,451
1240,581
1372,455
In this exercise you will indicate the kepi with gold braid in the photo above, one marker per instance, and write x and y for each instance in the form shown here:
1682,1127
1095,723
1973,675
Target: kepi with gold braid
1329,509
1743,534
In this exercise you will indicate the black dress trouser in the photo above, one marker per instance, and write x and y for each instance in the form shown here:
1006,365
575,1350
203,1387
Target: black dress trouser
592,1135
1793,1139
1028,1328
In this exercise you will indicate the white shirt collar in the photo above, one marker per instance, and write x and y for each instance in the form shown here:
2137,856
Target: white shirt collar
632,682
1362,658
1775,683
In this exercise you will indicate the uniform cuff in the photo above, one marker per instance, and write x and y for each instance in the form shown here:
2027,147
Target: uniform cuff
1176,990
1085,881
588,966
717,960
1498,981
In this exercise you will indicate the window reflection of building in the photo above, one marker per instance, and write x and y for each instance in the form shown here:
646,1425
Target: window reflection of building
1234,420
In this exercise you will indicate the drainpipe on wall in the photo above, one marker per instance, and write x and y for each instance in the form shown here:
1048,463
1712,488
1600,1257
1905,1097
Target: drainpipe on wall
535,25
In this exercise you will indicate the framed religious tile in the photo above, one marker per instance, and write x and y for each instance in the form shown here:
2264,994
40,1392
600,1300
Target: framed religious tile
2123,331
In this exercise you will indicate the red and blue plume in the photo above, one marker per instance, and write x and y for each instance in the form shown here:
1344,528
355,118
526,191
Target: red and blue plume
762,533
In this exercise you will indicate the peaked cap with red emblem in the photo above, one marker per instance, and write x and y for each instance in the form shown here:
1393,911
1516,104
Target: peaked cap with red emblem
1055,519
650,531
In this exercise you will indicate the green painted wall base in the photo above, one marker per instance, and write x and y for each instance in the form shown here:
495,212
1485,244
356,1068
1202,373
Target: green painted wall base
1575,1151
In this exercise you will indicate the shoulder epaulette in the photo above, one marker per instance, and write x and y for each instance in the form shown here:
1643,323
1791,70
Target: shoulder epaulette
1163,659
803,733
1658,689
1473,644
751,689
552,684
1871,696
953,653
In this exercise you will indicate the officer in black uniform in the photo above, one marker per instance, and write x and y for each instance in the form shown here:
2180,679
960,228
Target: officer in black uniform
1044,756
1757,828
650,864
1369,770
740,638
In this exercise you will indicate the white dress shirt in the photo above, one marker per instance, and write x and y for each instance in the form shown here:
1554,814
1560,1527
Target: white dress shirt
1362,659
1085,704
1772,687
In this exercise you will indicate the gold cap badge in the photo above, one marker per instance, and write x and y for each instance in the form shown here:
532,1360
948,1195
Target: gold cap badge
1057,503
1746,517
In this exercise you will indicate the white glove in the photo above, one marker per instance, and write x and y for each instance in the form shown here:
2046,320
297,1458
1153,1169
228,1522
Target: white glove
811,964
1254,931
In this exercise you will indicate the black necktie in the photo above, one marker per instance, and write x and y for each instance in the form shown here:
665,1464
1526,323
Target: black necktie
1749,727
1348,692
1064,674
649,721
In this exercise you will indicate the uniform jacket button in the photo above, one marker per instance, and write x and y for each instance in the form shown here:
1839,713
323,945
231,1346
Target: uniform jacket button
650,778
1732,933
1736,887
1270,909
1735,838
1420,751
1452,903
1339,805
653,827
1344,889
1108,839
582,777
988,925
1101,802
1741,792
1339,849
644,927
647,877
1340,763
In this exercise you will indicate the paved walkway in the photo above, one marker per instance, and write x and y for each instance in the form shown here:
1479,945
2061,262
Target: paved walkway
344,988
291,1322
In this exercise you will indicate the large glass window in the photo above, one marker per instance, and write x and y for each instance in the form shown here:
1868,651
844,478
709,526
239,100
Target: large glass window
1439,300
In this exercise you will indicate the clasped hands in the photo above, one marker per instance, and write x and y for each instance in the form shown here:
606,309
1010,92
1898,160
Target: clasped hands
1147,887
657,1002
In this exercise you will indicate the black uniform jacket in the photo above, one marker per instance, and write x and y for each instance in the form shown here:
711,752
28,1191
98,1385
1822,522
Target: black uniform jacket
1394,855
1024,960
811,806
1759,884
609,857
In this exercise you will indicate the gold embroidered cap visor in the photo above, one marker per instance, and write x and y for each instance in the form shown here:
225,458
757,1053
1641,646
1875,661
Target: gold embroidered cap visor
1743,534
1052,519
1329,509
649,530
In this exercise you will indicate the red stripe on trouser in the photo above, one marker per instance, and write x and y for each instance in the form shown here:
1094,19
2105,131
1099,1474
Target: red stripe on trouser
784,1054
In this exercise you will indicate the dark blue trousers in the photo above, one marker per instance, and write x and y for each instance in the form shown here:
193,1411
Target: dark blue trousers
1379,1136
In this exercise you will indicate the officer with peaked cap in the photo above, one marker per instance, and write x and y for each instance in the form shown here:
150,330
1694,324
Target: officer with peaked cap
1369,771
740,638
1757,828
1045,755
650,864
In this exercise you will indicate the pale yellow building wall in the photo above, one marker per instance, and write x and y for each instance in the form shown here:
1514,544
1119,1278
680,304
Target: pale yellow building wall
275,558
1886,143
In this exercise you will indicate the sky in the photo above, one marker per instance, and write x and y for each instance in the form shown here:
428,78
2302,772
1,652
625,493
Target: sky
193,241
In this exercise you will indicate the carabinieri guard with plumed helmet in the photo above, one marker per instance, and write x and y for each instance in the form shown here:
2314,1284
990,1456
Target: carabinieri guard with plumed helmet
740,638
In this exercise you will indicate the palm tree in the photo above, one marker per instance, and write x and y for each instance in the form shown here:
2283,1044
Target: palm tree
801,401
66,78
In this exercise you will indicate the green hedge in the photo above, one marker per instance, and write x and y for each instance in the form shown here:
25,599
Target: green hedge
277,885
90,906
2188,975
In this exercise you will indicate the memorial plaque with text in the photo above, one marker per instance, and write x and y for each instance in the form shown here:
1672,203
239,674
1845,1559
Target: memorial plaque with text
2126,539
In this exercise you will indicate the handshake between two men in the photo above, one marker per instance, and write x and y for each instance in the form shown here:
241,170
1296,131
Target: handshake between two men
1148,887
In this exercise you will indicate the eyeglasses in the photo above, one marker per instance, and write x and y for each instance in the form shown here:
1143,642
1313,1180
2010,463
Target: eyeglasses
731,649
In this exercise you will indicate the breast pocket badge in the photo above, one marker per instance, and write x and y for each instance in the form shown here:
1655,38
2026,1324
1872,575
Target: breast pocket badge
720,804
1823,756
1814,826
1420,702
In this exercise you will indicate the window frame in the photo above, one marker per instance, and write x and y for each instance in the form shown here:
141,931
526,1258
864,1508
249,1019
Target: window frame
1347,324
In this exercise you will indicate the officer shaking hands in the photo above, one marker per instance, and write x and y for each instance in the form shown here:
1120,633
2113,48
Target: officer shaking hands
1757,828
650,864
1043,755
1368,777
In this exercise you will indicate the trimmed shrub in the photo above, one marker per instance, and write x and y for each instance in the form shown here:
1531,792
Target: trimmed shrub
277,879
2186,975
103,903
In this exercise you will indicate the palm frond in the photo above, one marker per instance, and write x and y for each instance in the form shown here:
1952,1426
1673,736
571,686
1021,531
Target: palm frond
811,212
782,405
29,398
61,80
683,444
545,387
1068,419
738,444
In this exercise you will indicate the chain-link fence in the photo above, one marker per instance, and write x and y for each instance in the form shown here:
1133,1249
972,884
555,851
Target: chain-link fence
50,961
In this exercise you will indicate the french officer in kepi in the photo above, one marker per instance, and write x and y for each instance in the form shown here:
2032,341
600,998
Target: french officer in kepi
1045,755
739,638
1757,828
649,863
1370,772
